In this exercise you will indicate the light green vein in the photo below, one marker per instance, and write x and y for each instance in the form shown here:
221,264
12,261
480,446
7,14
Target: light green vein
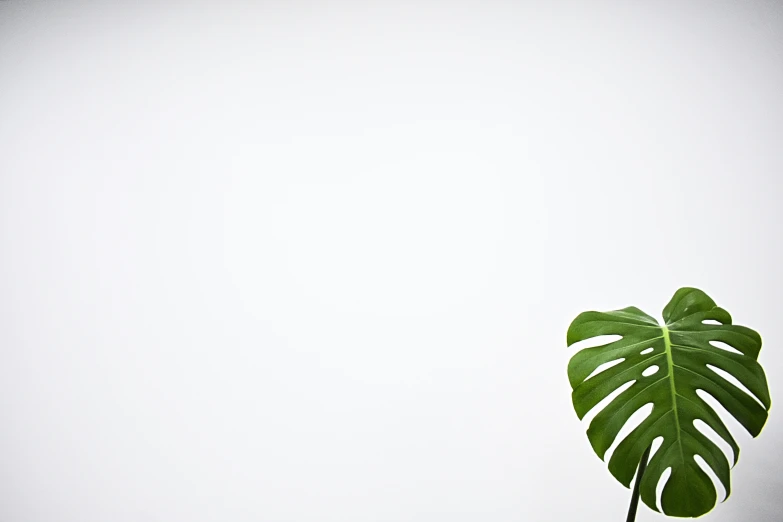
668,348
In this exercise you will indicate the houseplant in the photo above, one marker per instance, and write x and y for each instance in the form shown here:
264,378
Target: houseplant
689,363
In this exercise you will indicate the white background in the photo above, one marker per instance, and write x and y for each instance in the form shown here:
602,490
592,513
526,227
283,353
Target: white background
316,262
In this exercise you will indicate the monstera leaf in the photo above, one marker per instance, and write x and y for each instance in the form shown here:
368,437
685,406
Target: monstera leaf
685,357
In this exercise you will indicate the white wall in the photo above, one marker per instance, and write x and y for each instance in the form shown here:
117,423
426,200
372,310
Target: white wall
309,262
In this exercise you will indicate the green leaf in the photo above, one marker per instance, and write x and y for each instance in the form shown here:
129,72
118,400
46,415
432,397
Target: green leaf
683,353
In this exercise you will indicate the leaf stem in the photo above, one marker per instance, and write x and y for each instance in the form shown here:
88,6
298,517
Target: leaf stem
637,483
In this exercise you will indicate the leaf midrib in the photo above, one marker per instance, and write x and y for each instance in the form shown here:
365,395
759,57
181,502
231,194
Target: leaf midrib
667,345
